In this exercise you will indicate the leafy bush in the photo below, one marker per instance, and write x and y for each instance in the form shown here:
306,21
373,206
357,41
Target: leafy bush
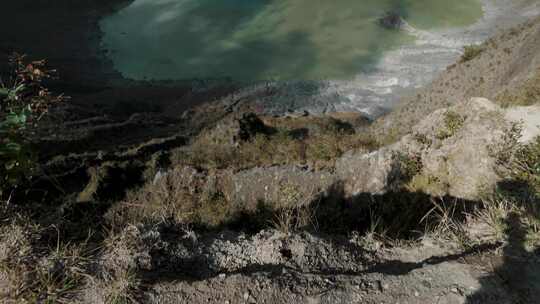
23,100
14,152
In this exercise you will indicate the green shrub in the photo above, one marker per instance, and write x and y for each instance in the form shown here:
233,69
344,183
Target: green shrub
14,153
23,100
471,51
504,150
526,167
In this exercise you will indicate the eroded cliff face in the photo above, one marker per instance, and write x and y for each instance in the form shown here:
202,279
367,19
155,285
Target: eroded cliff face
446,136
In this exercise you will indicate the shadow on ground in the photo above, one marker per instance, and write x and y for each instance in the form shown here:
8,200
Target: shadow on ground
517,270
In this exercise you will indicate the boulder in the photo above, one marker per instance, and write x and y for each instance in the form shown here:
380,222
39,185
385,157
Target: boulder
374,173
454,151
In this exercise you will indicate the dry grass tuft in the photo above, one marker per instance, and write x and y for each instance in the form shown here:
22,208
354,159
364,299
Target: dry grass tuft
115,279
446,221
294,210
318,148
122,289
181,195
452,124
35,273
495,212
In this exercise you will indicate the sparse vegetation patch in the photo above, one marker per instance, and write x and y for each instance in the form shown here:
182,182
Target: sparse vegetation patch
526,94
410,165
452,124
285,146
471,51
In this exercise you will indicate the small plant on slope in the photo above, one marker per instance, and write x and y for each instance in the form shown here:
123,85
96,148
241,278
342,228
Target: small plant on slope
471,51
452,124
23,100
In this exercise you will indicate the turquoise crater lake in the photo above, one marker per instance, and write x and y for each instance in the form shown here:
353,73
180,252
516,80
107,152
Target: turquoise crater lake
251,40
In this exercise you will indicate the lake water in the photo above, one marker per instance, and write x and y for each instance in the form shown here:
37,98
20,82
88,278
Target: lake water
251,40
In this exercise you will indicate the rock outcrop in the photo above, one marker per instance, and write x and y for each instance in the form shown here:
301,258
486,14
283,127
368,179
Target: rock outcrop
453,151
373,173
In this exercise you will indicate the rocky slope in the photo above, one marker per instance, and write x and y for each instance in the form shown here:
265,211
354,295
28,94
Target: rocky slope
309,267
503,67
454,151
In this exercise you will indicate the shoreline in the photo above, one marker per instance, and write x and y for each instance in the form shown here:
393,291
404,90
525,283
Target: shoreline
412,67
399,73
84,65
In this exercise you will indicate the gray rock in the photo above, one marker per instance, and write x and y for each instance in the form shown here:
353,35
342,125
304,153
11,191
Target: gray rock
374,172
457,147
271,185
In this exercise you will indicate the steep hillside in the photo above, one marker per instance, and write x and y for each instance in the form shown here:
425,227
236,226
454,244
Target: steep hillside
506,66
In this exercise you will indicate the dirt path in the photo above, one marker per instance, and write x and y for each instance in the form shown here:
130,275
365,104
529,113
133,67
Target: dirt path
271,267
312,271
